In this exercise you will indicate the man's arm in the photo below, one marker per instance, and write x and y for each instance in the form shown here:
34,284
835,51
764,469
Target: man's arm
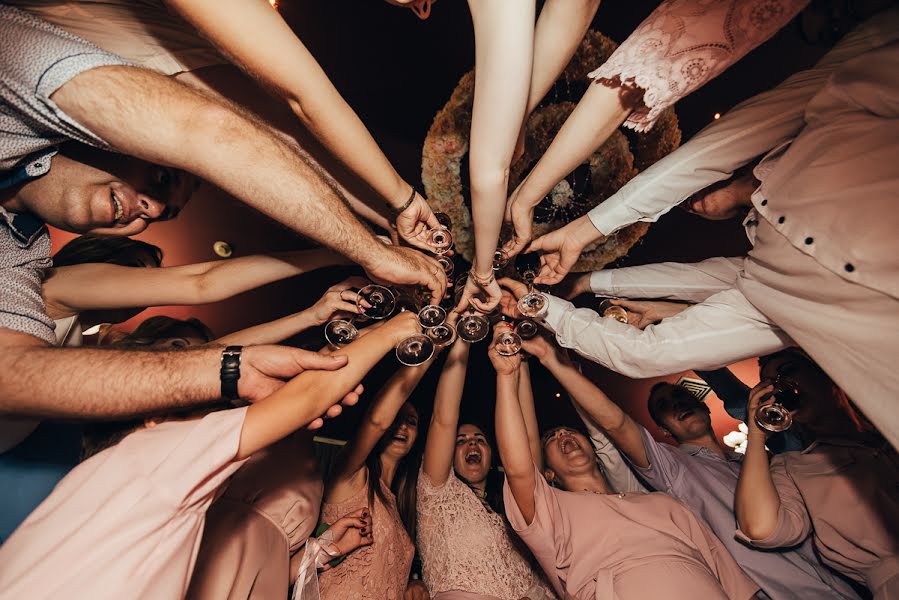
100,383
692,282
722,330
613,465
152,117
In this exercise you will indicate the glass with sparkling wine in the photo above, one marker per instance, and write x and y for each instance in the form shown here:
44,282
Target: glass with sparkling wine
612,311
778,415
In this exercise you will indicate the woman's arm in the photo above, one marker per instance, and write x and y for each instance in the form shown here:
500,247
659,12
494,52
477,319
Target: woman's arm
757,502
441,441
339,300
512,433
95,286
311,393
348,473
529,412
286,66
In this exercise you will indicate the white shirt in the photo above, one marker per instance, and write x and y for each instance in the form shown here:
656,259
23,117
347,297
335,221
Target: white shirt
842,160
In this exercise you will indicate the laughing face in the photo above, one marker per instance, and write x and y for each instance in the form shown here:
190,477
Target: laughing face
92,191
679,412
473,454
815,388
402,434
567,452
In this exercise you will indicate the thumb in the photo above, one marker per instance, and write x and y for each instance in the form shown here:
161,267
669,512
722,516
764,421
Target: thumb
320,362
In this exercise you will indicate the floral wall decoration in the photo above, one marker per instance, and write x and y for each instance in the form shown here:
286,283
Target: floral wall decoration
445,159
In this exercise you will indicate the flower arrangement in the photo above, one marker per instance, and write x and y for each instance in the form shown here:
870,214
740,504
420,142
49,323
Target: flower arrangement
445,159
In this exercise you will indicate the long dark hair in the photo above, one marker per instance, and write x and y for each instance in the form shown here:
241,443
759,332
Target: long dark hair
405,480
495,479
123,251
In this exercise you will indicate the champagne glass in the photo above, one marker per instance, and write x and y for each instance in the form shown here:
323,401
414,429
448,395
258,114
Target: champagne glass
500,259
778,415
440,239
528,266
612,311
381,301
531,304
431,316
442,335
473,327
526,329
508,343
415,350
340,332
447,265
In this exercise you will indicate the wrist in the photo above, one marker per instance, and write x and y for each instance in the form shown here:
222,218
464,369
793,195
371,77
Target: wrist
402,192
584,232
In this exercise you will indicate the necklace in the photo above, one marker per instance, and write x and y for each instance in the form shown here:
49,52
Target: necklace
619,494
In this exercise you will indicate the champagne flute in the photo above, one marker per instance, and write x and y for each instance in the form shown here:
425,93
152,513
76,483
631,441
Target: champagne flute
379,304
778,415
473,327
415,350
447,265
528,266
442,335
431,316
340,332
526,329
500,259
440,239
612,311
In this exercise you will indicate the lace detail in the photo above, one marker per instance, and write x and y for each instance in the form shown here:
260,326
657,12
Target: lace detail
683,44
376,572
466,547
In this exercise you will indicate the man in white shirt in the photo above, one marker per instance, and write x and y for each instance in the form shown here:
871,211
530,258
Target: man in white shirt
824,270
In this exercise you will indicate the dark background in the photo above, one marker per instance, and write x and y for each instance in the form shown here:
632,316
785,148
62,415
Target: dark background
397,72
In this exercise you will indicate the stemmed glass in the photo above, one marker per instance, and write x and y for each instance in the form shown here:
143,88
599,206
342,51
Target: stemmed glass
528,266
380,304
508,342
612,311
444,219
473,326
440,239
442,335
778,415
500,259
526,329
447,265
415,350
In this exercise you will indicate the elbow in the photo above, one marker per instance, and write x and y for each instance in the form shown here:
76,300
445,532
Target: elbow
487,177
303,111
378,425
753,529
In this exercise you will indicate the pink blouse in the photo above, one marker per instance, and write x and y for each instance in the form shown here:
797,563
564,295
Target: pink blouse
376,572
626,546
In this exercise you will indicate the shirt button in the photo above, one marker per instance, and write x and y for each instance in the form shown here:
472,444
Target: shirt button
849,267
38,165
765,202
781,220
809,241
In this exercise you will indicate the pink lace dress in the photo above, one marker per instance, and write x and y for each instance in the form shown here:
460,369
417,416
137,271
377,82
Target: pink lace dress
683,44
469,550
376,572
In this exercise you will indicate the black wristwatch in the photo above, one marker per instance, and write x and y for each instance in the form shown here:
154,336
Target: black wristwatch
230,372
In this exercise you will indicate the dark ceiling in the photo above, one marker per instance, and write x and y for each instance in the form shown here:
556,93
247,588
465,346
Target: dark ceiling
397,72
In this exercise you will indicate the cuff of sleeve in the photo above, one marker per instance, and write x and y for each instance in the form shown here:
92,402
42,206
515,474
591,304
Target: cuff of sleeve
601,283
611,215
776,539
554,312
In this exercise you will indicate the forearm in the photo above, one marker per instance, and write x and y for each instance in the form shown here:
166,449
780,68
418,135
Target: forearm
757,502
529,412
37,380
614,467
311,393
511,430
723,330
271,333
729,389
693,282
174,125
438,457
560,28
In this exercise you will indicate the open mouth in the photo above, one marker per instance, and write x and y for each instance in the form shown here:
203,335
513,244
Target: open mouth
567,445
473,457
118,210
400,438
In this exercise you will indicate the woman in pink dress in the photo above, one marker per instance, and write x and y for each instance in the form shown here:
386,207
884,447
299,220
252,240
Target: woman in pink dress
378,470
677,49
842,489
467,549
591,542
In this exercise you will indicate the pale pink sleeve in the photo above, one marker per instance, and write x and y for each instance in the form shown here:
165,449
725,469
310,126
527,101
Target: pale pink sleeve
793,521
547,534
188,460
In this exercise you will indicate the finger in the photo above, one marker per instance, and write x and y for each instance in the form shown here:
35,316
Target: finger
317,423
431,220
516,287
351,399
315,361
333,411
480,305
348,307
464,302
537,244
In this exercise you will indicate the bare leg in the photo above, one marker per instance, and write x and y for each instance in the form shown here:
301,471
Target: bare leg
504,39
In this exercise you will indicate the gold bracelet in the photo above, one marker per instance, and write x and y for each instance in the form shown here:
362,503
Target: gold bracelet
483,281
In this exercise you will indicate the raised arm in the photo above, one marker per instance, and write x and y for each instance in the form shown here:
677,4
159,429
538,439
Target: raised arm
529,412
348,473
617,424
311,393
73,289
512,433
438,458
613,465
147,115
285,65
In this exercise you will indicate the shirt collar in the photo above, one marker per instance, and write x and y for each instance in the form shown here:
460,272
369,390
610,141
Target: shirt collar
873,441
693,450
24,227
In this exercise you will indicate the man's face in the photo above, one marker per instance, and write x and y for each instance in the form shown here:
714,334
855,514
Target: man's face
93,191
720,202
814,387
680,413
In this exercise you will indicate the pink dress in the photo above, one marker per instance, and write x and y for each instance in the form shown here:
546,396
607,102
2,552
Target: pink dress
267,512
467,550
127,522
376,572
626,547
683,44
